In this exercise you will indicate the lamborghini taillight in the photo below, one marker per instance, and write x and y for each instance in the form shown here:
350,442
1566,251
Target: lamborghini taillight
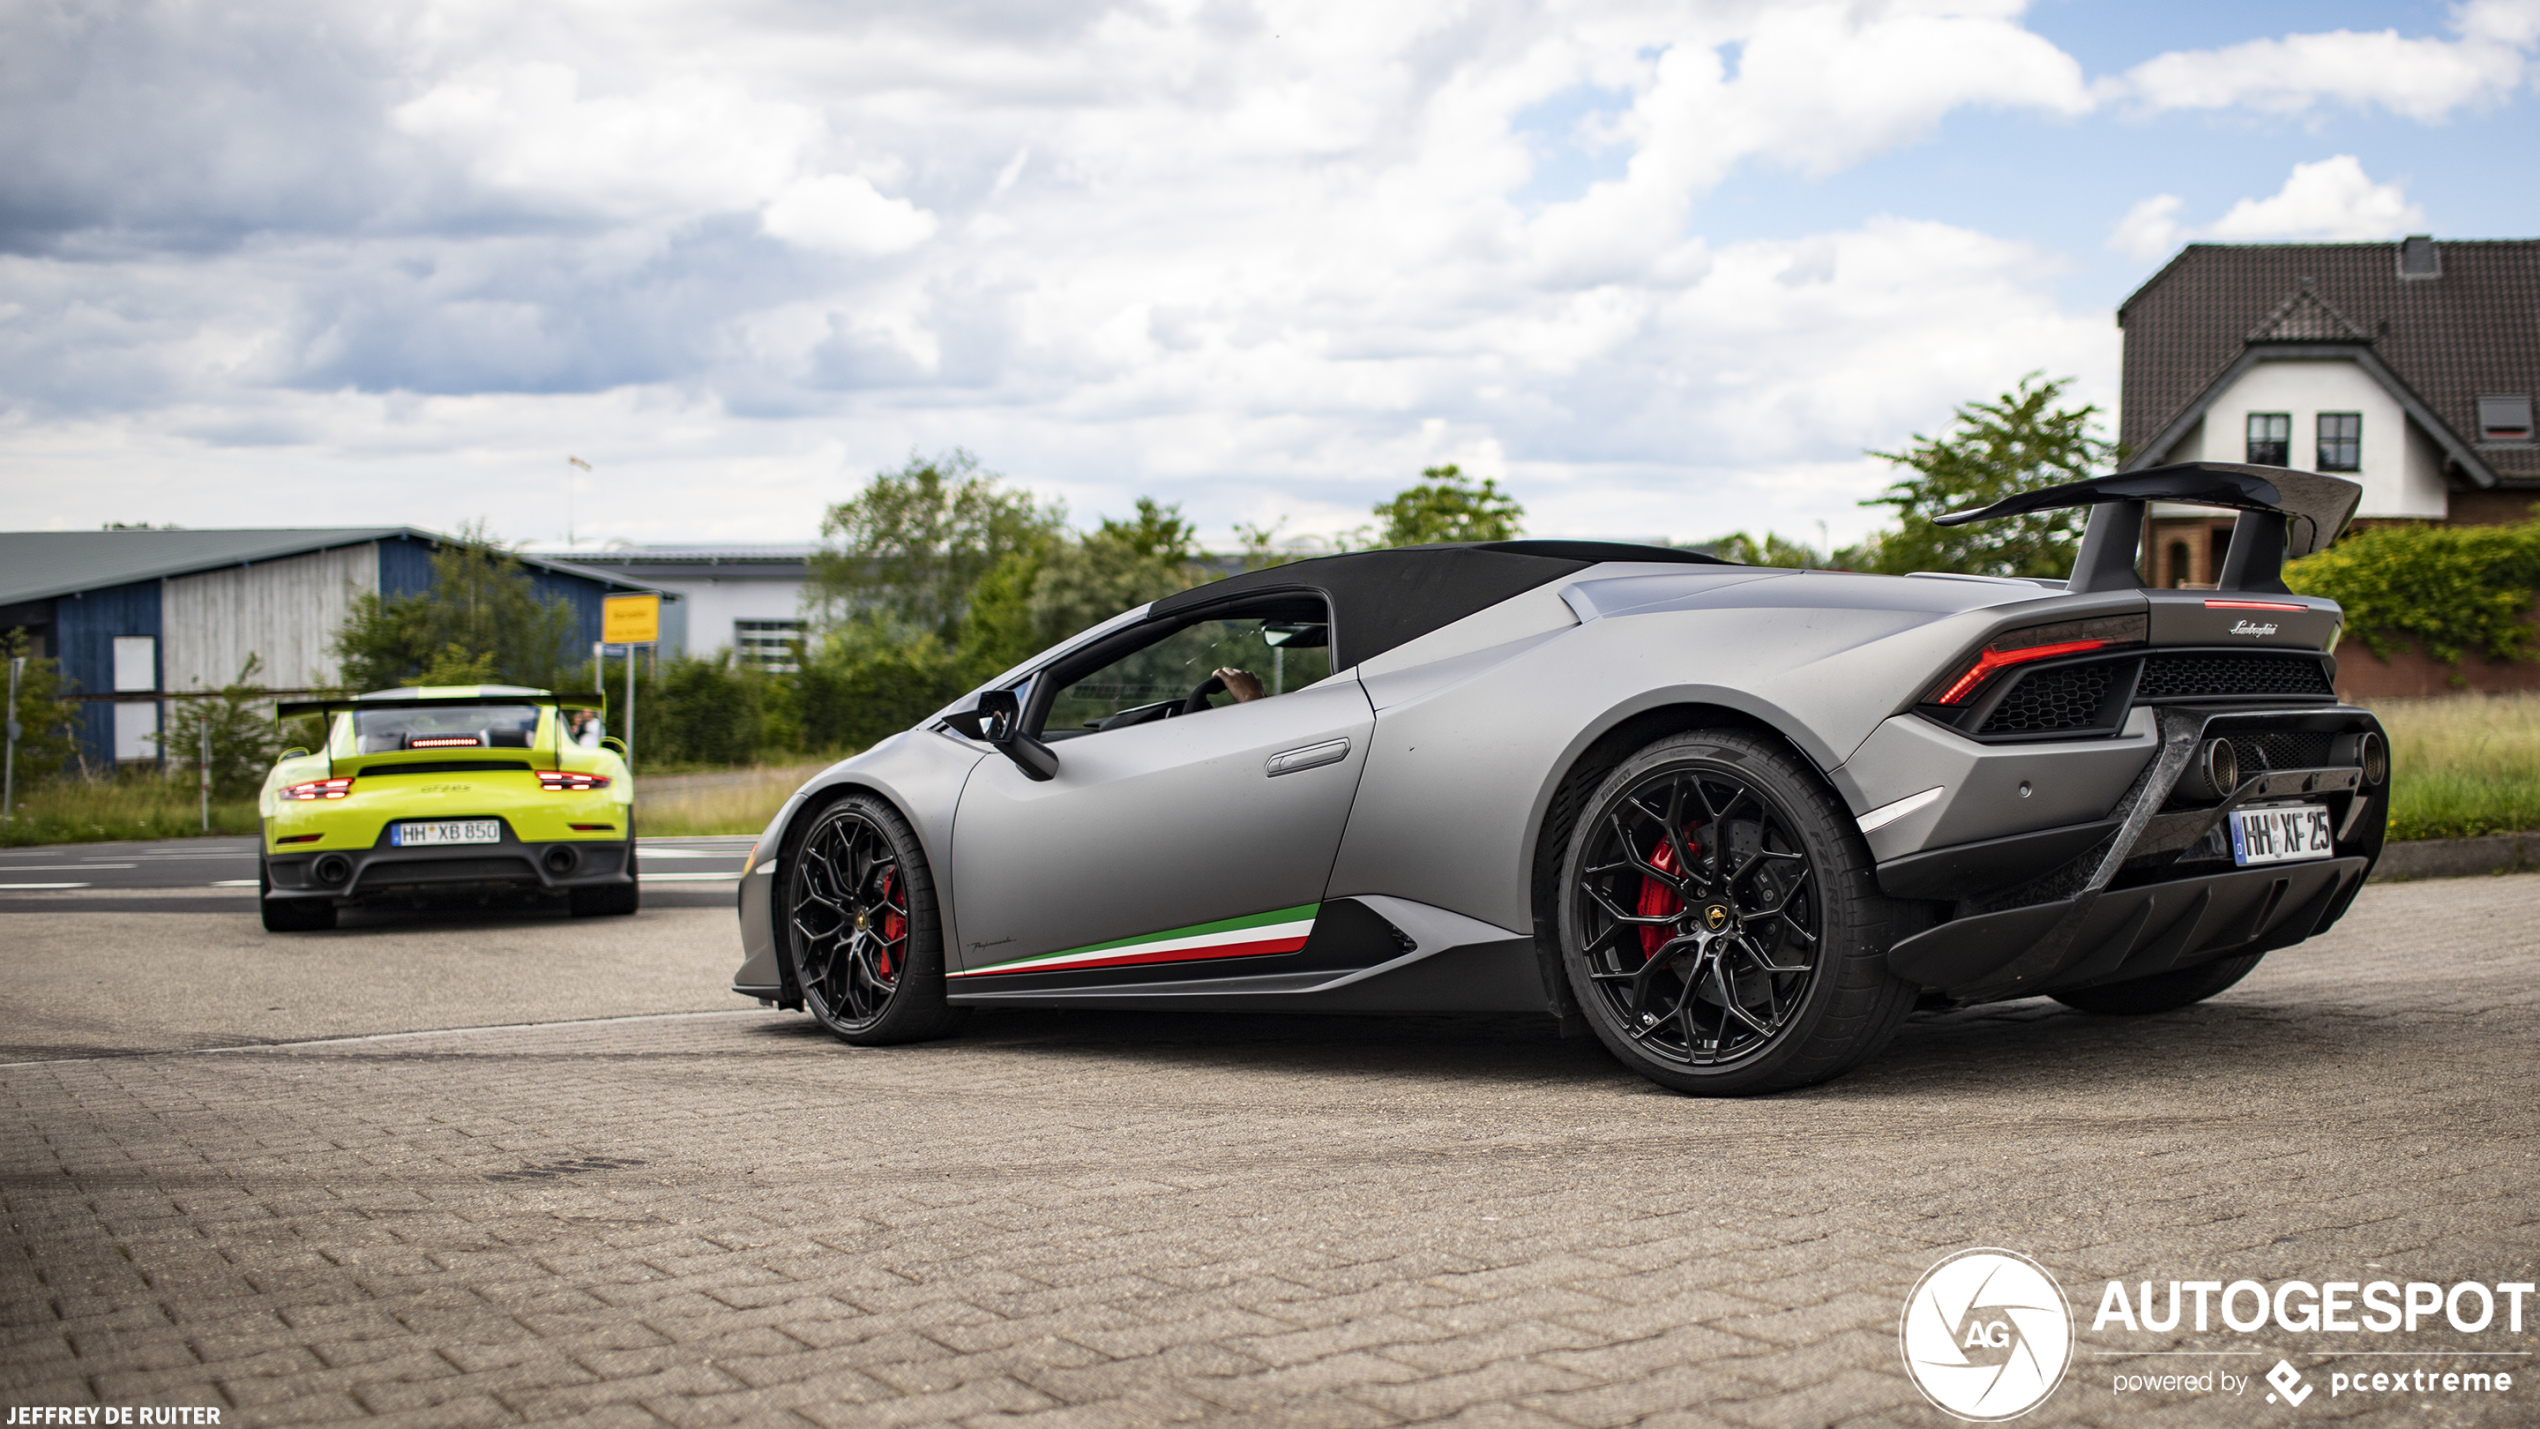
2039,642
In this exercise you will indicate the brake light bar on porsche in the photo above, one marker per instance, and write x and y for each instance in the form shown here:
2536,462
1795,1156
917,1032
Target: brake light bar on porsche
2042,642
442,741
319,789
567,781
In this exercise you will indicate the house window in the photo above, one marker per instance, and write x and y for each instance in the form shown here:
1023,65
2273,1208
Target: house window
768,644
2270,439
2505,419
2341,439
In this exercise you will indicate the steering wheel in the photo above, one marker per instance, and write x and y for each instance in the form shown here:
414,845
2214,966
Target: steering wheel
1199,697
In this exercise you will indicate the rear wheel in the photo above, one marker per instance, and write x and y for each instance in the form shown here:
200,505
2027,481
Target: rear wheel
290,915
1720,924
862,928
2161,992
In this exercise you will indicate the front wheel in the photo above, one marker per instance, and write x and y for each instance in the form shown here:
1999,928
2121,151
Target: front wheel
862,928
2161,992
1721,924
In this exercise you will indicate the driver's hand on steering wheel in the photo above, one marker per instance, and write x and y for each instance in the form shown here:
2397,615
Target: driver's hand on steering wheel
1242,684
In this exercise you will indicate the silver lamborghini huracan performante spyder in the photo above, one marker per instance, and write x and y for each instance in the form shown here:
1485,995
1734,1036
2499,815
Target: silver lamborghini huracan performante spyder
1736,821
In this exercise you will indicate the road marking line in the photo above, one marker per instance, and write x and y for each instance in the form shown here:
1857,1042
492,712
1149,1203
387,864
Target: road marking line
43,885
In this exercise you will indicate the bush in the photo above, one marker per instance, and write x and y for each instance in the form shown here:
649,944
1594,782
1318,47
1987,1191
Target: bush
2452,589
704,712
863,683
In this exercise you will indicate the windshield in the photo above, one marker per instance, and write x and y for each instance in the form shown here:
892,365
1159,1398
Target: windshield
456,726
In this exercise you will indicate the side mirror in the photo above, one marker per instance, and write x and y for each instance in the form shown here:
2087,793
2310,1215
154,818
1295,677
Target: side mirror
294,752
610,741
997,718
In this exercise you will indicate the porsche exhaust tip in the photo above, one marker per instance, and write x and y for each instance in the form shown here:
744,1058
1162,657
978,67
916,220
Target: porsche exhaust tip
334,868
559,860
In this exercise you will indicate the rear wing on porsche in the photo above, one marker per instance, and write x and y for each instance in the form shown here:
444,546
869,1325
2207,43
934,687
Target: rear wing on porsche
346,704
2283,514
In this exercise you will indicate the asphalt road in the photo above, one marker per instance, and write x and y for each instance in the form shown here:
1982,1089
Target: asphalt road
676,872
498,1168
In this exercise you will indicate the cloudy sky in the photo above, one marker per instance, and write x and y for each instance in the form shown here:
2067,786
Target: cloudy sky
1664,269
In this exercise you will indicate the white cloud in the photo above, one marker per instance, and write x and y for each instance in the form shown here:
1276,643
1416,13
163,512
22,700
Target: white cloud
845,213
2331,201
2421,78
2149,229
1264,257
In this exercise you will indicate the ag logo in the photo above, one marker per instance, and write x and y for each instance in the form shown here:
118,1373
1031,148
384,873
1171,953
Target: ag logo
1987,1335
1716,917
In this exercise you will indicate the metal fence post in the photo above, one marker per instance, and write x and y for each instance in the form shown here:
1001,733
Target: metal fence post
9,773
630,709
203,763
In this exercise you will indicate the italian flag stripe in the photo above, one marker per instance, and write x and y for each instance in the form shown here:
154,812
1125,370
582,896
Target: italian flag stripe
1282,930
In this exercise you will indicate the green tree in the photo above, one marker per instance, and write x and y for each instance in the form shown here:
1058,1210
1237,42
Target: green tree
705,711
245,741
1118,565
914,545
1773,550
481,621
1446,505
48,719
862,682
2018,442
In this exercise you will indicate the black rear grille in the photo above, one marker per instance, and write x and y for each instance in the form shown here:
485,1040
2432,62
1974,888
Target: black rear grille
2223,674
2058,698
2280,749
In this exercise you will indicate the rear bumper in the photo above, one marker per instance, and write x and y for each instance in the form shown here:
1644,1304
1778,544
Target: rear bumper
2124,933
356,873
2149,887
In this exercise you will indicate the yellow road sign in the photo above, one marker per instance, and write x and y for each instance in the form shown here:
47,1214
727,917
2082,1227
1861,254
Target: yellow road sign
630,619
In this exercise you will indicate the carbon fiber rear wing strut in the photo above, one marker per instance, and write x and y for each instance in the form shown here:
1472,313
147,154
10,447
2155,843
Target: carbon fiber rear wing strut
2283,514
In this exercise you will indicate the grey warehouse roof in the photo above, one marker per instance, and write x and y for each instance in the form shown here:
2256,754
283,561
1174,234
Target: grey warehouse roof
39,565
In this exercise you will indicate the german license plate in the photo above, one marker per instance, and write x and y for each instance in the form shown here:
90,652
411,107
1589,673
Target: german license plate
446,831
2286,833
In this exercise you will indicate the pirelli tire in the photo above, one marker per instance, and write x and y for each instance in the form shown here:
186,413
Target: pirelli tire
1720,921
861,928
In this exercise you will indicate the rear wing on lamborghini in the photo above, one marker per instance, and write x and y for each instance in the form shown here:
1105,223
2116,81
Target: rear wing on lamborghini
2283,514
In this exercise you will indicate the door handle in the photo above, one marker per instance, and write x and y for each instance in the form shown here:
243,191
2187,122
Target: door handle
1312,756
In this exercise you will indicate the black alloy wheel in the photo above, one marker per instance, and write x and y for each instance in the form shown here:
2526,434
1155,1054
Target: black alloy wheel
862,927
1718,924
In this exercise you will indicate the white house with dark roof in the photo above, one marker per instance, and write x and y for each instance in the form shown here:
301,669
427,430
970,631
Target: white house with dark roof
747,599
2410,367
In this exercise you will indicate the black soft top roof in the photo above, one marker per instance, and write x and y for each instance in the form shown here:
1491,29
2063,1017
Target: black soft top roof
1381,599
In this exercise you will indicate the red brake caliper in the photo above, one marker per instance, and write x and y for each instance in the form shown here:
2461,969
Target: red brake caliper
1657,900
894,925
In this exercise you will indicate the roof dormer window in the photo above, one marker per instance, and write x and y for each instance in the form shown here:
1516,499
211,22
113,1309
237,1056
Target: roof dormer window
2419,258
2505,418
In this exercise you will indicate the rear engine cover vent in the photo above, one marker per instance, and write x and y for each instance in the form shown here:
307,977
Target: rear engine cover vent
2205,677
2054,698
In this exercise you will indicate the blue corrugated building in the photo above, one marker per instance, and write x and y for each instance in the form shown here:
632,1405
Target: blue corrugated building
144,612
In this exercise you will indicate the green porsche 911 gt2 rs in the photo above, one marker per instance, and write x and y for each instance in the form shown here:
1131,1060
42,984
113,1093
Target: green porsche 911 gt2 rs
440,787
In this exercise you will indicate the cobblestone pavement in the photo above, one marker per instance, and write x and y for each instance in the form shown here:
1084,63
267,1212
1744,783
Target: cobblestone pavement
1091,1220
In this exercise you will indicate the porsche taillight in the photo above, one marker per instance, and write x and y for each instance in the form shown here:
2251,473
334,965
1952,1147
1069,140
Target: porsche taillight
319,789
2040,642
567,781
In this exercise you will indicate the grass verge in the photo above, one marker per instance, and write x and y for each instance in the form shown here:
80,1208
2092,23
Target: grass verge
738,801
2463,765
71,811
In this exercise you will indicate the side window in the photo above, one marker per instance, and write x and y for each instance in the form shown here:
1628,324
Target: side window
1263,653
